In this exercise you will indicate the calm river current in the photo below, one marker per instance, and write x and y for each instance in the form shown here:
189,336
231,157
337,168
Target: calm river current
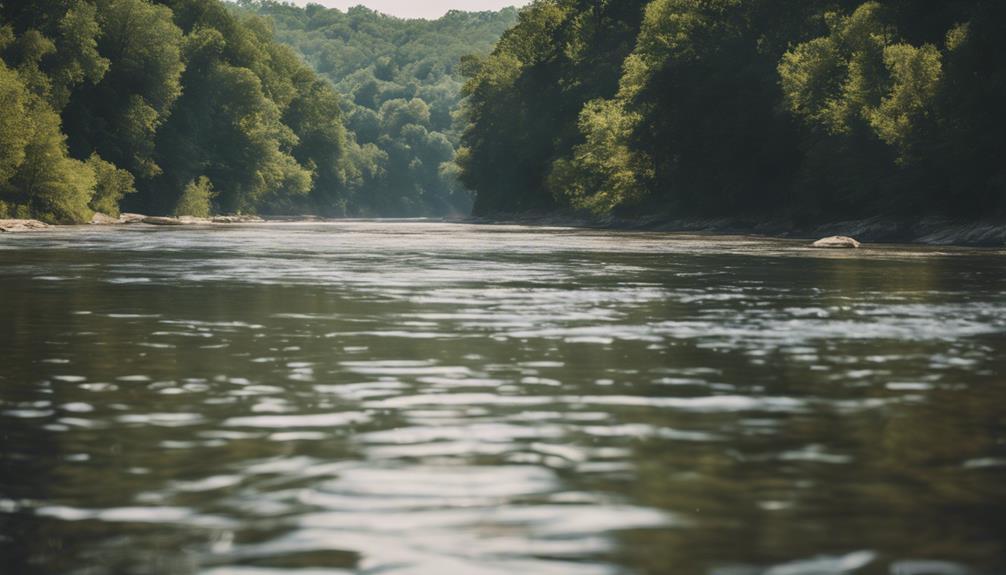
441,399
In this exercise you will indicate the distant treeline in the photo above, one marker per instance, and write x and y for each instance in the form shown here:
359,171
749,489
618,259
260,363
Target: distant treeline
814,108
400,87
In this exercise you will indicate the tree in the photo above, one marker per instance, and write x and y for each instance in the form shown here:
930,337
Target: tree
154,95
196,199
525,99
111,185
120,115
35,171
393,75
15,125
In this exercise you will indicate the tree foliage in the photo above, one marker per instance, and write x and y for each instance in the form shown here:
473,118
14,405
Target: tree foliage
815,108
37,176
820,109
195,199
401,86
102,98
111,185
525,99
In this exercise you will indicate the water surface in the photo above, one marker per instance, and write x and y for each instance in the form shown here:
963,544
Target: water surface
423,398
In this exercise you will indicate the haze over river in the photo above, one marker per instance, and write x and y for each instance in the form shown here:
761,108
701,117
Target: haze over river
424,398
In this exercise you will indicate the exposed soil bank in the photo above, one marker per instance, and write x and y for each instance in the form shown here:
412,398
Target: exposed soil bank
881,229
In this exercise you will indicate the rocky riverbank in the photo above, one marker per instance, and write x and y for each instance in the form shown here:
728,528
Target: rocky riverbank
881,229
178,220
929,231
22,225
99,219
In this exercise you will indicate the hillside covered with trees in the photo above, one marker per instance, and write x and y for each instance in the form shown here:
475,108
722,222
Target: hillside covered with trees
190,106
127,102
813,109
401,87
820,109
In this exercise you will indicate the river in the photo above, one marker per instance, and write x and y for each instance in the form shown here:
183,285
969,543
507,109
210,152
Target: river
428,398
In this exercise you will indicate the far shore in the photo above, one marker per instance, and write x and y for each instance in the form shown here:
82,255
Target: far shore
934,231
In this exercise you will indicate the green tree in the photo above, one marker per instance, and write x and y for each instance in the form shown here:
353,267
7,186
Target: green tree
119,116
77,57
525,99
196,199
315,117
35,171
861,77
15,125
111,185
393,75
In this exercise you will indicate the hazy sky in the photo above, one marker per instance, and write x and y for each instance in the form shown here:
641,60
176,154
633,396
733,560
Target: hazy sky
418,8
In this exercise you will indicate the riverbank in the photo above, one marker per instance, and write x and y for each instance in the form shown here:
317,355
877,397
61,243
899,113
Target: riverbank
12,225
99,219
925,231
881,229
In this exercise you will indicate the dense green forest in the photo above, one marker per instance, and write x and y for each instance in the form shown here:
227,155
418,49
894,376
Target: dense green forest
127,102
816,109
192,106
401,86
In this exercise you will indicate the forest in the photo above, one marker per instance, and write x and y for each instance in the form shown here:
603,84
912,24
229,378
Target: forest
189,107
128,103
400,84
816,109
812,109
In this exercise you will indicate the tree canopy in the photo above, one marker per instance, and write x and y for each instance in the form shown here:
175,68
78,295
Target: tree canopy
104,98
819,109
400,82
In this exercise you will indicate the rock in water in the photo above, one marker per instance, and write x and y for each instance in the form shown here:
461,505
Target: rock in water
836,242
190,220
159,221
240,219
131,218
100,219
21,225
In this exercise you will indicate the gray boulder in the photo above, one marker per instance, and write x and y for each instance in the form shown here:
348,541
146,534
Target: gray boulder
131,218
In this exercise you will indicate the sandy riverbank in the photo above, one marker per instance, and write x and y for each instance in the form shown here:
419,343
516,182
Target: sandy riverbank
928,231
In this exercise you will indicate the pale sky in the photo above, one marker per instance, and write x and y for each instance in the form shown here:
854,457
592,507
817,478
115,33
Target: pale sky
418,8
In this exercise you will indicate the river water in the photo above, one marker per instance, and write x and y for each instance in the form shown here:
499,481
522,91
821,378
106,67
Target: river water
425,398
